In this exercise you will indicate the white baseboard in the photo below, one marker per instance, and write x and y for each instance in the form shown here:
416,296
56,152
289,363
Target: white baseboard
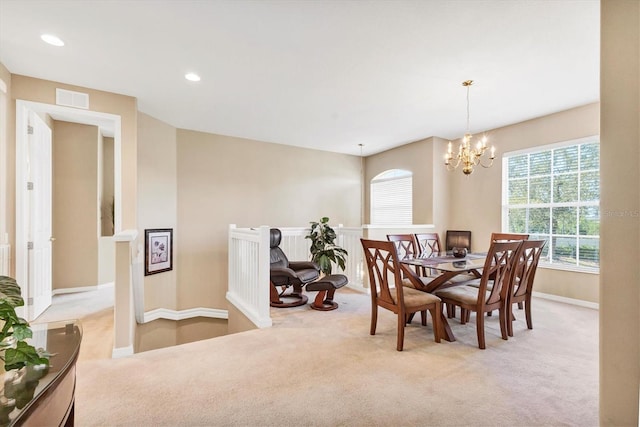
358,287
119,352
81,289
573,301
165,313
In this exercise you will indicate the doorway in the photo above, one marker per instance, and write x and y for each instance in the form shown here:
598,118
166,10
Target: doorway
108,124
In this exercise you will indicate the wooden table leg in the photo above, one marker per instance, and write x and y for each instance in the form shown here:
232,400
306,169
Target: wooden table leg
445,330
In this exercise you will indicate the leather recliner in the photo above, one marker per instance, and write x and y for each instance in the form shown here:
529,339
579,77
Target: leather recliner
288,274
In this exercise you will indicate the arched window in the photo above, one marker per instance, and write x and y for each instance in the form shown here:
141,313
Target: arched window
391,198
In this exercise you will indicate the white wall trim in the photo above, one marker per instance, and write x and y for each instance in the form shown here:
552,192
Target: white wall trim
119,352
392,226
125,236
572,301
165,313
82,289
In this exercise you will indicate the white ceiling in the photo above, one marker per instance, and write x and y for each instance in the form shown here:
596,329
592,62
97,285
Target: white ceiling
319,74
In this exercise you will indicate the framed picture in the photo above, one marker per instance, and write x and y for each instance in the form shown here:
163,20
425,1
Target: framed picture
158,250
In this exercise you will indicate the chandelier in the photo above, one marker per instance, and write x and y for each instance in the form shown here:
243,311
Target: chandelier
468,155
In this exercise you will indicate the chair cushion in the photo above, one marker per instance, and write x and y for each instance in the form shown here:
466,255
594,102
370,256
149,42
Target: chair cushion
476,284
307,275
414,298
463,294
408,284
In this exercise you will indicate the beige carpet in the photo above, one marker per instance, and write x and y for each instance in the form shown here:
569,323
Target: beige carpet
324,369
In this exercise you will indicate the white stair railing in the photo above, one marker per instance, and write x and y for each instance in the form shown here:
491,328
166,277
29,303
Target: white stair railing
248,288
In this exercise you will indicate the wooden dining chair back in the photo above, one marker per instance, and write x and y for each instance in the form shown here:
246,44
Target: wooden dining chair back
522,281
508,237
428,243
406,247
492,292
387,292
458,239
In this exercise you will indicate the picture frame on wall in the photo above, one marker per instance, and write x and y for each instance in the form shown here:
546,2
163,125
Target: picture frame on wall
158,250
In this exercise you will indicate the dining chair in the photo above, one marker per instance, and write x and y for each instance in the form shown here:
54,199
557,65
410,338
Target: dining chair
458,239
508,237
428,243
522,281
500,263
405,246
387,292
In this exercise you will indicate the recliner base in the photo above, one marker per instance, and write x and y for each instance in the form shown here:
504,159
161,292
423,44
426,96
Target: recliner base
297,298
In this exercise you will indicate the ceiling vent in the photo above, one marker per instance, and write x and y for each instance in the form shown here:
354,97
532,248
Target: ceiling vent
69,98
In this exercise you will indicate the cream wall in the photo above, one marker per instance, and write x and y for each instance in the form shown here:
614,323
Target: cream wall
484,186
620,229
224,180
44,91
157,202
416,157
75,205
476,200
451,200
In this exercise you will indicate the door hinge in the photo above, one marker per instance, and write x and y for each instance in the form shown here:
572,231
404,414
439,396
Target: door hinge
29,185
29,301
29,245
29,130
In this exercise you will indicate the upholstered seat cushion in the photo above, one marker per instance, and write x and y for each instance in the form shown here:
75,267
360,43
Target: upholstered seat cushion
414,298
463,294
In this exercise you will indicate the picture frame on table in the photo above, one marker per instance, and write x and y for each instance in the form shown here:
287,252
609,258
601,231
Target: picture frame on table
158,250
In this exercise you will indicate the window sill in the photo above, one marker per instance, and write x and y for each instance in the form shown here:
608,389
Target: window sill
570,268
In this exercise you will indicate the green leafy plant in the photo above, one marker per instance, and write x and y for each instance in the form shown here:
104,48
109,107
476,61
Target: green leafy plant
14,350
324,251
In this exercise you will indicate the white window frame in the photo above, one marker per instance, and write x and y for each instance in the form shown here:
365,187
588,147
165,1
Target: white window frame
548,263
405,217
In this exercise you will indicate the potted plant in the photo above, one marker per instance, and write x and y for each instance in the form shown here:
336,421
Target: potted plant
14,350
324,251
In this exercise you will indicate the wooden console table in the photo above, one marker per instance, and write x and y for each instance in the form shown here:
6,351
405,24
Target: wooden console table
32,397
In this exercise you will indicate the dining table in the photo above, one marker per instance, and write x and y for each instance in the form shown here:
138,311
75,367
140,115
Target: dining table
449,267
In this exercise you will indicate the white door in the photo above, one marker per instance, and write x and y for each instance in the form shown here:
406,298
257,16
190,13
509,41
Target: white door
39,228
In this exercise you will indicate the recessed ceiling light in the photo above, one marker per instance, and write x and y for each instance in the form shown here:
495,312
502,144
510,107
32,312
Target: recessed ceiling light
192,77
52,40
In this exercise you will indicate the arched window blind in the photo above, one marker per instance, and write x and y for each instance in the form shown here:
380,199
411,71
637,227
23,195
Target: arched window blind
391,198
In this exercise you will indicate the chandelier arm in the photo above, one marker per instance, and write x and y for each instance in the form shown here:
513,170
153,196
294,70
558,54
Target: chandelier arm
453,165
487,166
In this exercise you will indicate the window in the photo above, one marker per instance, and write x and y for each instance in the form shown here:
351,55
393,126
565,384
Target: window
553,193
391,198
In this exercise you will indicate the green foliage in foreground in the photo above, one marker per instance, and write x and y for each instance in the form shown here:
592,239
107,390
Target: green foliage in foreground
14,350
